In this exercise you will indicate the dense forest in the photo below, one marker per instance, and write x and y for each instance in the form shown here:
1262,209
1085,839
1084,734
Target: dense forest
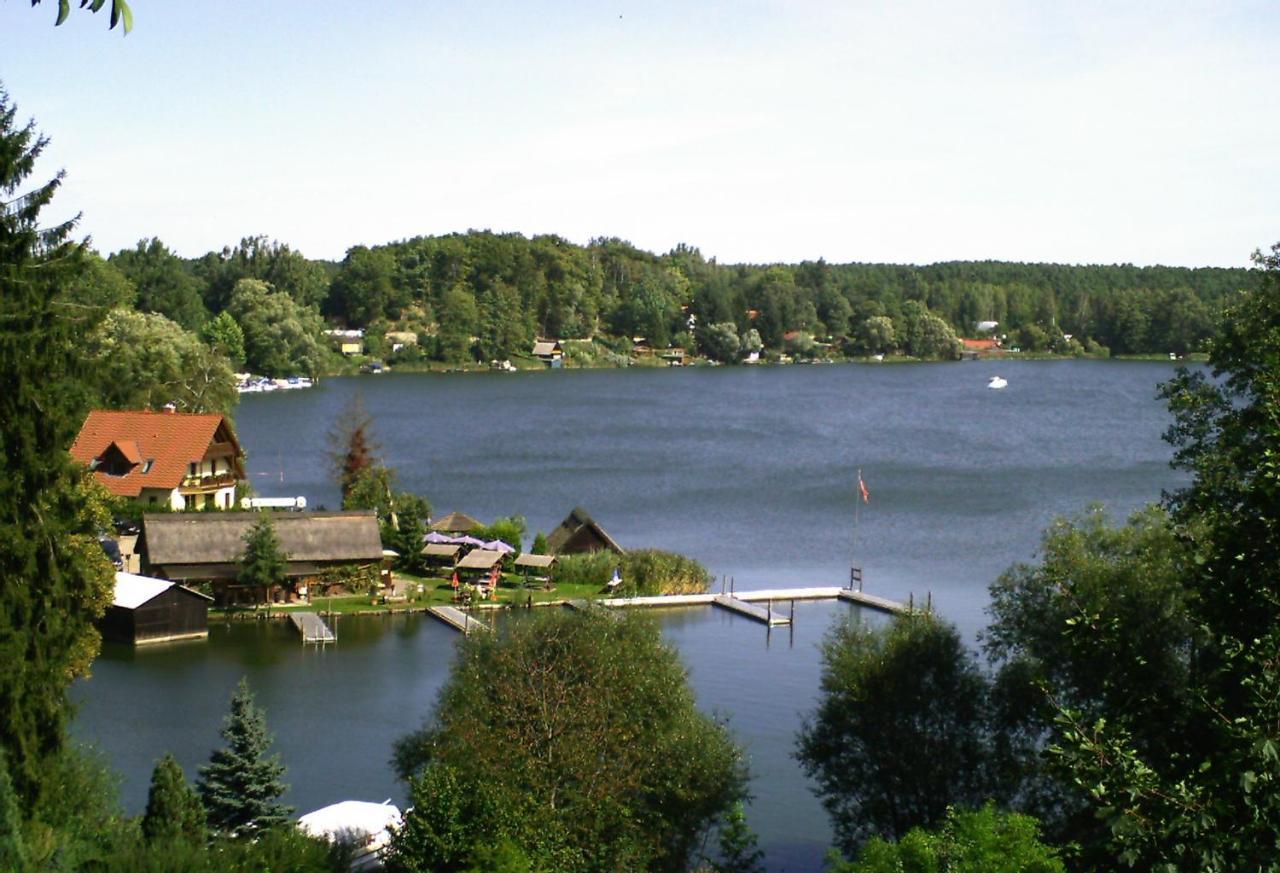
482,296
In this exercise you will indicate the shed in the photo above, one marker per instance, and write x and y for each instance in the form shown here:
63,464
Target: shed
481,559
456,522
549,352
207,547
441,554
580,533
148,610
535,562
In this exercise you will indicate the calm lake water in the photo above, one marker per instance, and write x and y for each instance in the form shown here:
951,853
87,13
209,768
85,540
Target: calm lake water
751,470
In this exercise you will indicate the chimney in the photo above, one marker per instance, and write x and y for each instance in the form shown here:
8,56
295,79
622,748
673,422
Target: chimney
170,408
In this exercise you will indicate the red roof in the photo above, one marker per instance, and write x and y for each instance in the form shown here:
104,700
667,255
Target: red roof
980,345
158,445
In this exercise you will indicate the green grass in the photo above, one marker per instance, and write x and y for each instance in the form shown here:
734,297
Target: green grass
437,591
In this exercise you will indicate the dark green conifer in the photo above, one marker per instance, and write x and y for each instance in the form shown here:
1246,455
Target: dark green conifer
54,579
13,855
173,808
240,786
263,563
739,849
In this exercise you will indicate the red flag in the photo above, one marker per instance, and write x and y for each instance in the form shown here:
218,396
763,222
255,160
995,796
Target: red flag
862,489
455,579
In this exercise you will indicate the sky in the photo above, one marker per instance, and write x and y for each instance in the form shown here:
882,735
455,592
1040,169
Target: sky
758,131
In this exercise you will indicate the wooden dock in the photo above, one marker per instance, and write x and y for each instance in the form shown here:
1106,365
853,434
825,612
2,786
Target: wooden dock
457,619
874,602
765,614
312,628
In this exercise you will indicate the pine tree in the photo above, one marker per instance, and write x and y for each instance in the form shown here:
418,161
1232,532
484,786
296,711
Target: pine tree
173,808
739,852
54,579
263,563
240,787
13,855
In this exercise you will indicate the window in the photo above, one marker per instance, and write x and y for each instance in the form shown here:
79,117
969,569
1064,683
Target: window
146,465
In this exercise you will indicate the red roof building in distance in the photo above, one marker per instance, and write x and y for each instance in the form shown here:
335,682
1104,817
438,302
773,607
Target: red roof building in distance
981,346
175,459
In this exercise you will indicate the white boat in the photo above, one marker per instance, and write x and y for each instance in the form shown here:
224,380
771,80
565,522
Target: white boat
366,827
997,382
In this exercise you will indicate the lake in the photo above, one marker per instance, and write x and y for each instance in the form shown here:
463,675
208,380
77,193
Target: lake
751,470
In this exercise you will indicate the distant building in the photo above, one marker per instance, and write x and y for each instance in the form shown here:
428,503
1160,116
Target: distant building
986,326
348,342
549,352
147,610
205,547
580,533
174,459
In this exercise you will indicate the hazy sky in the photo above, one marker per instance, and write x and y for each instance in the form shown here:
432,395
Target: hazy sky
757,131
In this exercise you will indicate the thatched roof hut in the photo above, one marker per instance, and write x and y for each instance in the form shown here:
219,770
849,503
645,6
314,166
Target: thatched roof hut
456,522
580,533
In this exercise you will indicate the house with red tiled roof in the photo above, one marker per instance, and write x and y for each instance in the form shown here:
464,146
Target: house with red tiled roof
174,459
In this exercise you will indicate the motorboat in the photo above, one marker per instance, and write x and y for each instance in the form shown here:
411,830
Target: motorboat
997,382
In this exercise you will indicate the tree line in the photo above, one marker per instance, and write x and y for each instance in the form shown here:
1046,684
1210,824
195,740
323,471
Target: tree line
177,327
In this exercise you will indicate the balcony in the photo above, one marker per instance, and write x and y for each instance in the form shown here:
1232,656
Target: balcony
205,484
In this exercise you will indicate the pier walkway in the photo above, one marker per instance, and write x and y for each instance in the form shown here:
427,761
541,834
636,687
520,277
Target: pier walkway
312,628
763,614
457,619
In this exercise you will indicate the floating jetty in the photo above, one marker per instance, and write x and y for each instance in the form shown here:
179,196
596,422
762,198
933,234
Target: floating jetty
457,619
744,603
312,628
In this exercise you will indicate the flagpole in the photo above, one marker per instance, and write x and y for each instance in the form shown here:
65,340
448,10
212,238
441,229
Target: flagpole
857,510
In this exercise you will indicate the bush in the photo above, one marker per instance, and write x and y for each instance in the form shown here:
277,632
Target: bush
644,572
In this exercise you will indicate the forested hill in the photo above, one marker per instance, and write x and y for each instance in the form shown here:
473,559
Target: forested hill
482,296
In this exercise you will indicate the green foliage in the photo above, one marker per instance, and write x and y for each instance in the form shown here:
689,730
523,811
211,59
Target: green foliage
164,282
281,336
77,817
1205,792
120,12
13,851
979,841
643,571
54,579
720,342
364,289
149,361
510,529
284,850
173,810
225,337
739,852
402,515
901,731
240,787
100,285
539,546
574,737
263,563
876,336
1101,625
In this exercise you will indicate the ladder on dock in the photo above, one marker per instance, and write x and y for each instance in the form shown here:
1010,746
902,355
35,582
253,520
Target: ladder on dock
312,628
765,614
457,619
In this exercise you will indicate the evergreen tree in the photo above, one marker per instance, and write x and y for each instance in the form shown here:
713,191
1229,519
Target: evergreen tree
13,855
173,808
240,787
54,579
263,563
739,851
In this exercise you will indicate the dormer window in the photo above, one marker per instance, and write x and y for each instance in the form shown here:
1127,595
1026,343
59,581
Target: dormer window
118,459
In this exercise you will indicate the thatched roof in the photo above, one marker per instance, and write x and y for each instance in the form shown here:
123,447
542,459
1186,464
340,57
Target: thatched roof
535,561
456,522
184,538
441,550
480,559
580,533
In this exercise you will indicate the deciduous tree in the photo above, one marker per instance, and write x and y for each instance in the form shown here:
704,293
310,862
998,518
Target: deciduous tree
576,738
